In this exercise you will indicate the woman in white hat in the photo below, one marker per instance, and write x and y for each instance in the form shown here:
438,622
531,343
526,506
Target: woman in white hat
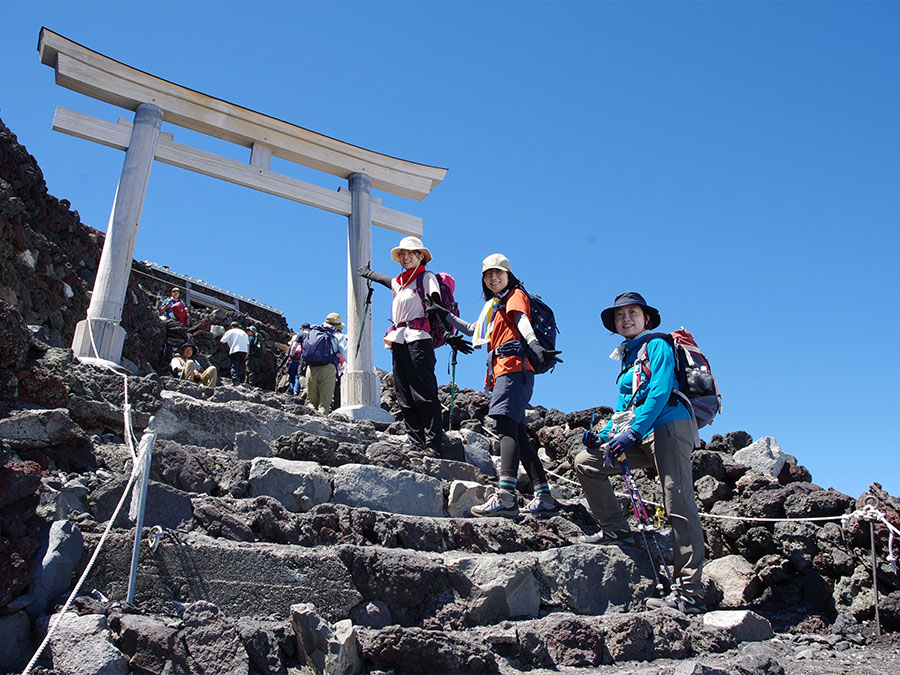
503,326
409,339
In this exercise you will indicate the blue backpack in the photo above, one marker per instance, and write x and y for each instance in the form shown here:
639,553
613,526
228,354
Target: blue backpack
318,349
545,329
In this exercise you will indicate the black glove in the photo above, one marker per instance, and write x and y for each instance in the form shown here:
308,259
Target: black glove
591,440
459,343
365,272
544,356
433,307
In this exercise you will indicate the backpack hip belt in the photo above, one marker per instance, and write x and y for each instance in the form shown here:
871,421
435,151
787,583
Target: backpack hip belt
422,323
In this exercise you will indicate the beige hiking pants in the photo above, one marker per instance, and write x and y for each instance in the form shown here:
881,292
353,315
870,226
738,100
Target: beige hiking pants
670,452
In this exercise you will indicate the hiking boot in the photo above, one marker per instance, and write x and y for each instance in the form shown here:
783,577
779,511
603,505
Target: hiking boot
542,505
607,537
688,604
494,506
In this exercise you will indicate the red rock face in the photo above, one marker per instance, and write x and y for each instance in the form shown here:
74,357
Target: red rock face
38,386
19,481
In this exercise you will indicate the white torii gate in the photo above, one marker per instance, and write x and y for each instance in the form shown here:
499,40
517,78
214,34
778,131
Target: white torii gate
154,101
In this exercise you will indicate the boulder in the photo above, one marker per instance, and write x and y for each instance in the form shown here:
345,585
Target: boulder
735,577
763,455
150,644
299,486
496,587
248,445
58,557
165,506
387,490
561,640
415,650
463,495
587,579
15,636
212,642
82,645
744,625
477,448
26,429
331,650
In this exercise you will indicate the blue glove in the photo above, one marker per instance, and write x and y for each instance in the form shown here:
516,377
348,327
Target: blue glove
623,442
591,440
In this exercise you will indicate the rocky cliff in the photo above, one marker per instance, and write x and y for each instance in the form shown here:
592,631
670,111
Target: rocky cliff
279,540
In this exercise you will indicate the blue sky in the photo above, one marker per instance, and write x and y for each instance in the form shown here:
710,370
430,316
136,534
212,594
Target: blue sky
735,162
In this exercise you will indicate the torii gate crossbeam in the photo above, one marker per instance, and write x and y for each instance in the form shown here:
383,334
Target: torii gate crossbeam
155,101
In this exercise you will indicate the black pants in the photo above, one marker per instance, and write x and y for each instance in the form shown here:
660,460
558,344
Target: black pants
515,447
238,365
417,391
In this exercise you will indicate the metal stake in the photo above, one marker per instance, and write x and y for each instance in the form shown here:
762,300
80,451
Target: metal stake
875,578
142,503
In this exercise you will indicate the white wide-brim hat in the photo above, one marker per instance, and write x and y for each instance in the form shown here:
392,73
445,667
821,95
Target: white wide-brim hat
496,261
410,244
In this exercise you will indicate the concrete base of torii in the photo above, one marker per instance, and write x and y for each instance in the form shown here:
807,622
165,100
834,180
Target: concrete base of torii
359,385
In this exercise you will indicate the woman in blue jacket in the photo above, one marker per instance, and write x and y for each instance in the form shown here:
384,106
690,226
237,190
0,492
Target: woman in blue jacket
652,428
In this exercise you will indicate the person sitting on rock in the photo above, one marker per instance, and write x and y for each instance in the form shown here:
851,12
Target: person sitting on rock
505,328
657,430
184,366
173,305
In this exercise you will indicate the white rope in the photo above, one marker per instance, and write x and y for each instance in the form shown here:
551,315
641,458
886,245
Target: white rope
867,512
136,470
130,438
51,628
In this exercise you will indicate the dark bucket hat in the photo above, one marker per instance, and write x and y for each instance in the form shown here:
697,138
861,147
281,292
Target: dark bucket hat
607,316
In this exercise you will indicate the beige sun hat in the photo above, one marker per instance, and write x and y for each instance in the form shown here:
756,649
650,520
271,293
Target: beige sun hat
496,261
410,244
334,319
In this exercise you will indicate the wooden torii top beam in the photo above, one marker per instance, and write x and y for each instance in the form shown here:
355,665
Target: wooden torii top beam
100,77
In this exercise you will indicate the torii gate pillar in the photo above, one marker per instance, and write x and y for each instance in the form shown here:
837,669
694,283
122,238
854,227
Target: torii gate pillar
360,386
105,311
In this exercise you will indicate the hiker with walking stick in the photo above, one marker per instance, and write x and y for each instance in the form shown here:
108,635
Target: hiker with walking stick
652,427
412,344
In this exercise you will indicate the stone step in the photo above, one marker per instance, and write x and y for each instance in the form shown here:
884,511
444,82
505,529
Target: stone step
430,590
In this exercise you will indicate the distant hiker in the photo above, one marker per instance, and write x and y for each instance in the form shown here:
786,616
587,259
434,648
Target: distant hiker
185,366
295,356
256,353
504,326
651,428
238,346
323,350
411,344
173,305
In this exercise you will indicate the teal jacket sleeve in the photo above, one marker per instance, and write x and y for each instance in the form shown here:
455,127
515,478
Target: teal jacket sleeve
659,388
606,432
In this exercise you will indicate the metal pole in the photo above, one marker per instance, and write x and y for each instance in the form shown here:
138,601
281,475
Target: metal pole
875,578
150,437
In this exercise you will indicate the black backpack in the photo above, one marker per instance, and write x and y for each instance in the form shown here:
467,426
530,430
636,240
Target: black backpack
545,329
318,349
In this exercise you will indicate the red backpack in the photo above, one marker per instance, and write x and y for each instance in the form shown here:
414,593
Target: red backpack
447,284
697,385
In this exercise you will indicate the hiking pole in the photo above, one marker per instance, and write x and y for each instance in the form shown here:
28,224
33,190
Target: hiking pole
659,587
452,389
644,523
362,326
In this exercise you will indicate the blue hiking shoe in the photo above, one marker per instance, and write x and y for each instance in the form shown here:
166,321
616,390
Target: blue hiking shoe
687,604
